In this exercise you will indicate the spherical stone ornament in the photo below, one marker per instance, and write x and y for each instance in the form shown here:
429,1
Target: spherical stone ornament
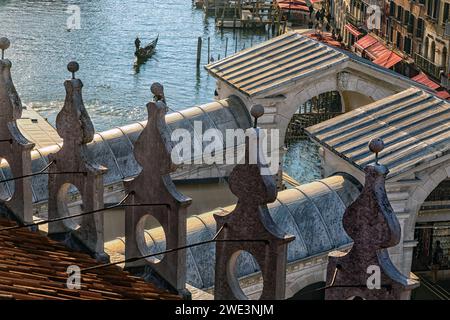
376,145
73,66
4,43
157,89
257,111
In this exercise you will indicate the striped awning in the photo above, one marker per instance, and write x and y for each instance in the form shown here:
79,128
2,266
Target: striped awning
294,5
423,79
352,30
388,59
376,50
365,42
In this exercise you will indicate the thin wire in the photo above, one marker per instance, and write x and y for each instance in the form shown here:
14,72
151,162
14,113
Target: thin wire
120,204
42,171
214,239
29,175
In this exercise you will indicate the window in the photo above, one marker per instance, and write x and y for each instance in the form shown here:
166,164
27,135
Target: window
399,40
436,7
420,27
429,7
406,17
407,45
444,57
411,24
400,13
392,9
427,44
422,1
446,12
433,51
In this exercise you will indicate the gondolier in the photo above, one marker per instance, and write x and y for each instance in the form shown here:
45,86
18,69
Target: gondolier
137,43
142,54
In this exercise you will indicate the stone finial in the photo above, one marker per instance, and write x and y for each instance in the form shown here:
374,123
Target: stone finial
251,221
10,104
15,148
73,122
72,165
376,146
154,185
73,67
371,222
256,111
4,44
158,92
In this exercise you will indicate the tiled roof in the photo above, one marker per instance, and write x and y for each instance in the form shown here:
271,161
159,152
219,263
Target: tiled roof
274,63
414,124
34,267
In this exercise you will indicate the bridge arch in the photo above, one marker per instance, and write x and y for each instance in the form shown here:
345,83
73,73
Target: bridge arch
307,277
355,91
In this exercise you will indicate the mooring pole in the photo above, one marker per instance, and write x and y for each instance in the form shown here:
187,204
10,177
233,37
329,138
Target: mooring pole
199,50
235,44
226,46
209,50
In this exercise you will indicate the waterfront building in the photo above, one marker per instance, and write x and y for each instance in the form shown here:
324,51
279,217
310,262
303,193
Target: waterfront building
416,31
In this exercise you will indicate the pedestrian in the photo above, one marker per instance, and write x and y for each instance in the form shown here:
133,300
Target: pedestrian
437,259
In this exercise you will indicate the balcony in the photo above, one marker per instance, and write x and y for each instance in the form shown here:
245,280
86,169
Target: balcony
428,67
353,20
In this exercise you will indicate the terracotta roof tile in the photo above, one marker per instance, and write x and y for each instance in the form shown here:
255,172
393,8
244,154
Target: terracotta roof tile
33,266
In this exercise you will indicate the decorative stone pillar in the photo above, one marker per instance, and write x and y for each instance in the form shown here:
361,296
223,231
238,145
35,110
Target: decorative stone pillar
251,223
72,166
154,186
14,147
367,271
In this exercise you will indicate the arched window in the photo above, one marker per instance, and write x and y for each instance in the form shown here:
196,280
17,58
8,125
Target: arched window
427,45
433,51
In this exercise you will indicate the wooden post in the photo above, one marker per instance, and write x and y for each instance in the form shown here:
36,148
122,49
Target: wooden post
226,46
199,50
209,49
235,44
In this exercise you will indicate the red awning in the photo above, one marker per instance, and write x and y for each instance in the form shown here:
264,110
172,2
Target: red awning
443,94
388,59
376,50
423,79
296,5
325,37
352,30
365,42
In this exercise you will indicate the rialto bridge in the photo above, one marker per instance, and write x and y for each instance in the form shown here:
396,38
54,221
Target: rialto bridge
282,74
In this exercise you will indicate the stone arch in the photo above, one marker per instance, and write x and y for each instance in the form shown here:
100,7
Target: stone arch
420,194
306,278
343,81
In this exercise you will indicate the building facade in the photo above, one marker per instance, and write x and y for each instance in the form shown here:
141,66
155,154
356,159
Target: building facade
418,30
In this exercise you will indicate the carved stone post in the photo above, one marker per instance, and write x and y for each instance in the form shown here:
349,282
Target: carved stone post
367,271
71,166
14,147
251,222
154,186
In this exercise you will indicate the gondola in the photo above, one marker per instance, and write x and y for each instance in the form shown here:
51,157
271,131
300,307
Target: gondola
143,54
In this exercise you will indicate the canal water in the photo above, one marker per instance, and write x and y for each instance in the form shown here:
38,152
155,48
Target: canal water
115,93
